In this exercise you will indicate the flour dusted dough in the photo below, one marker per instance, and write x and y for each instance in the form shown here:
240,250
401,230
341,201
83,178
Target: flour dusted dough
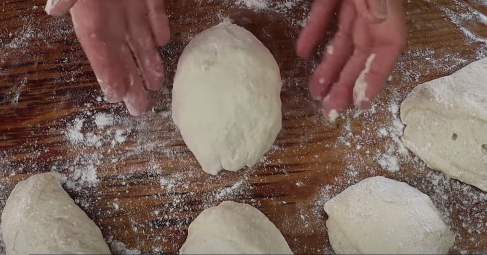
40,218
226,98
446,123
384,216
234,228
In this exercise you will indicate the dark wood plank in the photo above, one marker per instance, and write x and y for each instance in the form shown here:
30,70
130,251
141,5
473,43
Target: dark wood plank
148,185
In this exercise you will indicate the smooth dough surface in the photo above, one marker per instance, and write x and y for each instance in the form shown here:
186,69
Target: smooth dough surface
41,218
384,216
446,124
226,98
233,228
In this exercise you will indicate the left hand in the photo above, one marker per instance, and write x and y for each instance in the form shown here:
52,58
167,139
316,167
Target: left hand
371,35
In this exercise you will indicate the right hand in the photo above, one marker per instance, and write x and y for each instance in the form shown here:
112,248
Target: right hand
112,33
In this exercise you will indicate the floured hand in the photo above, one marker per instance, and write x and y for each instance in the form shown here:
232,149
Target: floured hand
371,35
112,33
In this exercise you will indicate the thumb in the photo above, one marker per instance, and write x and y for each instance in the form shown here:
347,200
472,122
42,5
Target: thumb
374,10
59,7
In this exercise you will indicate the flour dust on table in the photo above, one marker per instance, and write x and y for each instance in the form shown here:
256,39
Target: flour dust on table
383,216
446,124
41,218
234,228
226,98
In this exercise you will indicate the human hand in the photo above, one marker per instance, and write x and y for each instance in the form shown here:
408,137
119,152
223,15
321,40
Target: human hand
120,37
371,35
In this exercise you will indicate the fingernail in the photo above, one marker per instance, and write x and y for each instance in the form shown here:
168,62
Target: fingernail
135,109
113,97
331,116
362,105
380,9
360,94
316,104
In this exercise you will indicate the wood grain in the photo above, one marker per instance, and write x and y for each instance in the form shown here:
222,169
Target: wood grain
150,186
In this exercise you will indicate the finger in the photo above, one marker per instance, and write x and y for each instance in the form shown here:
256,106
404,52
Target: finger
59,7
379,67
314,32
159,21
143,46
102,49
341,93
340,97
337,54
361,86
378,8
374,11
136,99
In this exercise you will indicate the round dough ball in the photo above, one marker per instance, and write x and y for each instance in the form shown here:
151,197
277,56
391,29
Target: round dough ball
41,218
384,216
226,98
233,228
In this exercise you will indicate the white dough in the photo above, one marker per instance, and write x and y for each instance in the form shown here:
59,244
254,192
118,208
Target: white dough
446,124
226,98
233,228
384,216
40,218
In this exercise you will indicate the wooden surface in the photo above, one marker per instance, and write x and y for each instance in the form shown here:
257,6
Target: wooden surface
149,186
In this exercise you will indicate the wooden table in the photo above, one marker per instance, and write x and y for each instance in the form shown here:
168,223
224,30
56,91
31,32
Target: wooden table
138,181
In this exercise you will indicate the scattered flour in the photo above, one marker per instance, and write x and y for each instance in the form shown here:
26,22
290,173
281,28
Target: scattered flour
463,18
268,5
74,131
360,144
119,248
254,4
279,7
2,245
96,142
389,163
227,192
102,119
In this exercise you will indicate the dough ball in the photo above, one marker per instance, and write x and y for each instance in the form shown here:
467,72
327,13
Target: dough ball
226,98
384,216
234,228
446,124
40,218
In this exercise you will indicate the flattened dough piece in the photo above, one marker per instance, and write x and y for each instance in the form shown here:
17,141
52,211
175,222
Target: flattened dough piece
226,98
446,124
383,216
41,218
234,228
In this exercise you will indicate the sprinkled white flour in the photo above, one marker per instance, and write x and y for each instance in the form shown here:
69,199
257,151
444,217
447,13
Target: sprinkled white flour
268,5
94,143
102,120
119,248
461,20
254,4
2,246
283,7
226,192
